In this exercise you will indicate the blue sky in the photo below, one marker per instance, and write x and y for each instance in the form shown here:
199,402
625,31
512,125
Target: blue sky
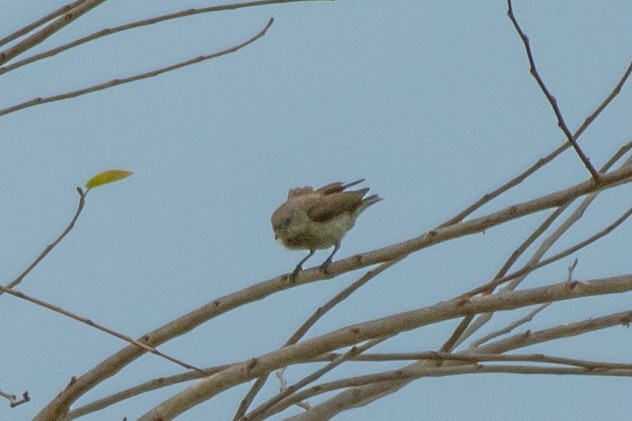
431,102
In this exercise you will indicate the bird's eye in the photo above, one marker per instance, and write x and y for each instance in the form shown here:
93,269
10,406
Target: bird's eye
282,224
285,222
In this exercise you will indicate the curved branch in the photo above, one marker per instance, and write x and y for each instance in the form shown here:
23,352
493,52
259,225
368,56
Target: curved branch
138,24
564,253
143,346
365,394
543,161
116,82
556,109
13,400
467,328
51,246
28,28
495,348
40,36
58,407
350,335
302,330
258,413
442,371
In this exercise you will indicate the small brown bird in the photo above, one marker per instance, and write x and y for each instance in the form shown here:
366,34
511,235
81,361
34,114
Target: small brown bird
318,219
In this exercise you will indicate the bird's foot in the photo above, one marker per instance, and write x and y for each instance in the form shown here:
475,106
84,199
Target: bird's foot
324,268
294,274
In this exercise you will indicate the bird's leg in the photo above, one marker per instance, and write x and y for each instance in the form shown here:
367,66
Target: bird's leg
299,267
325,266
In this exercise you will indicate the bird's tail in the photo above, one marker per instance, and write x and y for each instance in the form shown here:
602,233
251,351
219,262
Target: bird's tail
370,200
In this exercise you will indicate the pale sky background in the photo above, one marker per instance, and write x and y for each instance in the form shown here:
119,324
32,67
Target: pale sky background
431,102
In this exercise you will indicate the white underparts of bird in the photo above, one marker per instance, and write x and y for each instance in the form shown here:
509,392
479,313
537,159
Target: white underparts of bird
319,219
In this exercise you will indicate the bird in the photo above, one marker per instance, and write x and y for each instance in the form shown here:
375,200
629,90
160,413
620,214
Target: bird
319,219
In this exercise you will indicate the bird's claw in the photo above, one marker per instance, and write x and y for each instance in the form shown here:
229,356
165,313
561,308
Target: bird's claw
294,274
324,268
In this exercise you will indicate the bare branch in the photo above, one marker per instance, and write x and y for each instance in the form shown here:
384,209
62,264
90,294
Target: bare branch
556,109
322,347
457,335
538,254
8,289
302,330
28,28
211,386
504,345
473,356
510,327
116,82
573,218
542,161
564,253
13,400
571,269
615,91
261,411
529,337
505,187
40,36
365,394
59,406
51,246
137,24
143,346
148,386
410,374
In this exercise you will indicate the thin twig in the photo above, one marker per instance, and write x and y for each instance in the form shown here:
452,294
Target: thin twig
550,241
564,253
495,348
509,327
486,198
457,335
13,400
145,75
98,326
536,257
556,109
40,36
28,28
408,375
8,396
542,161
261,290
302,330
147,386
337,299
51,246
362,395
260,412
588,121
567,330
530,268
389,325
473,326
473,357
571,269
137,24
574,248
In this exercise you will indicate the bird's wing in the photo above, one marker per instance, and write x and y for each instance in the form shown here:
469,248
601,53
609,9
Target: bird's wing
324,208
299,191
332,188
337,187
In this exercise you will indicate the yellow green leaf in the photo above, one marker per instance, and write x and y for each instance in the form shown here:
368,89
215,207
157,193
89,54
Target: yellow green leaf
106,177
